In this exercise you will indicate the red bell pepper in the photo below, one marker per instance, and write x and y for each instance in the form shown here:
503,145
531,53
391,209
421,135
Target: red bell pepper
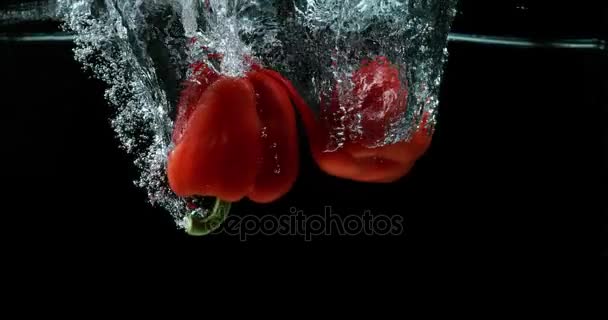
234,138
379,98
237,137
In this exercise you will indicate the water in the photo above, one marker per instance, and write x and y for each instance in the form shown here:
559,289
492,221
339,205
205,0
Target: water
29,11
143,50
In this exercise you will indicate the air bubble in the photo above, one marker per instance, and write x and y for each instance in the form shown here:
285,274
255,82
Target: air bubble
143,50
264,134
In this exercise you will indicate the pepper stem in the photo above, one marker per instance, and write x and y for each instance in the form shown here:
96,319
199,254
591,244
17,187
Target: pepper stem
201,226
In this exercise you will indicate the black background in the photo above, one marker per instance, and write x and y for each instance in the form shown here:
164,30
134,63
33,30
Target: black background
494,142
505,174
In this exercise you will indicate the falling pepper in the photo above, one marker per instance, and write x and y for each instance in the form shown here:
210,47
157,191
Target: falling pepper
236,137
378,98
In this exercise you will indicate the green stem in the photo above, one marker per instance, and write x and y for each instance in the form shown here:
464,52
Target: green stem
201,226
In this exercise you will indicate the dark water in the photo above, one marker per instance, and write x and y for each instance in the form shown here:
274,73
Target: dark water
511,171
509,183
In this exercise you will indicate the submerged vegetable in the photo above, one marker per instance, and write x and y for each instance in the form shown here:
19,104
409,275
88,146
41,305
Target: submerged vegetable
378,98
236,137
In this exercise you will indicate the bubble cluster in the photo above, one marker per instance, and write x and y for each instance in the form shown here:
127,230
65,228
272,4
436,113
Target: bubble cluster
143,50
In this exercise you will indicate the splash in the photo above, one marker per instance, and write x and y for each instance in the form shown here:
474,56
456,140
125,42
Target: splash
143,50
28,11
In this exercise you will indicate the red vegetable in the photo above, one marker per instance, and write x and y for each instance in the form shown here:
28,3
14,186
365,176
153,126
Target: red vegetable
237,137
380,98
234,138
